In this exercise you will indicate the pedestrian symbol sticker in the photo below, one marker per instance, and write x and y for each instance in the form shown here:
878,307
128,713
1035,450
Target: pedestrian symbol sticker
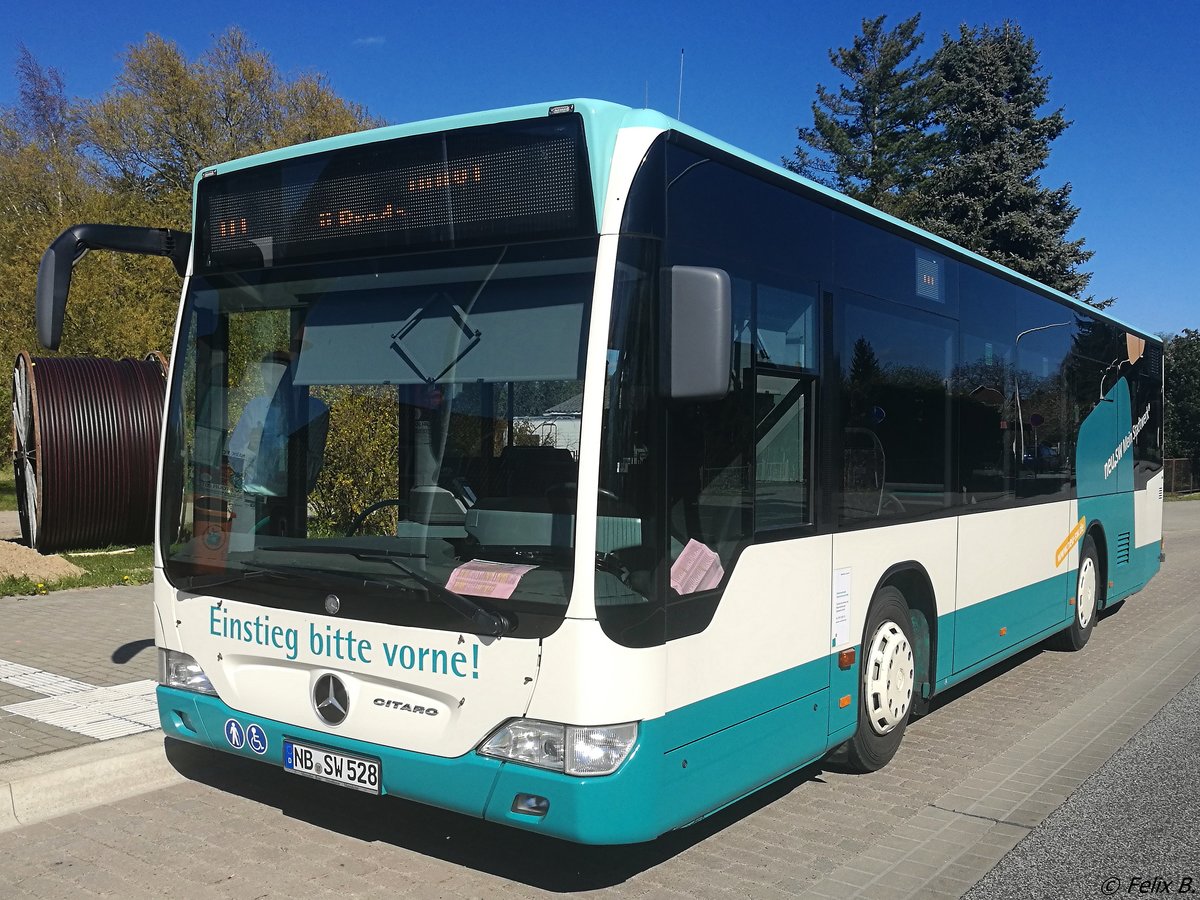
235,735
256,738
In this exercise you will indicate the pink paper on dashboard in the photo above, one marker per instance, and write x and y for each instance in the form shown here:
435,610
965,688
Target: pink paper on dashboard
696,569
480,578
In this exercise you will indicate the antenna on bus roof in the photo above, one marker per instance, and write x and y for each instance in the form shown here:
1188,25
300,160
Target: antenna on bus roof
679,101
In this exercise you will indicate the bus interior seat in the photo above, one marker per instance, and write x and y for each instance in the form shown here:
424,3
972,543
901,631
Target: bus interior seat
531,471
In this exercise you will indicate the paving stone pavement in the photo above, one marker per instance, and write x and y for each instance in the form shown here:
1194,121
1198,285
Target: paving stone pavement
10,524
991,761
89,639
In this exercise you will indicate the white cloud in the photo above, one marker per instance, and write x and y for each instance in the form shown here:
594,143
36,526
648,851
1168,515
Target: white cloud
373,41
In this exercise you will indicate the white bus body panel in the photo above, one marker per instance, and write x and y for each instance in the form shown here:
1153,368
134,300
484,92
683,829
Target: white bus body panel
774,616
1010,549
474,683
1147,512
588,679
866,555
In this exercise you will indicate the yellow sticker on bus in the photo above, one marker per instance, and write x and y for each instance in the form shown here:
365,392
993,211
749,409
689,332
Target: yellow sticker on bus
1071,540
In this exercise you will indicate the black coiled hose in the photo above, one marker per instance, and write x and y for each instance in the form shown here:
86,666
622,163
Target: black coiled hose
85,449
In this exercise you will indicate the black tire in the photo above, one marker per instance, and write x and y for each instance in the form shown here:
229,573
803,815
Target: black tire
920,705
882,718
1076,635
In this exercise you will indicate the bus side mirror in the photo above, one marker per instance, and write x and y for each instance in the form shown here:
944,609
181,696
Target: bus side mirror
54,273
699,333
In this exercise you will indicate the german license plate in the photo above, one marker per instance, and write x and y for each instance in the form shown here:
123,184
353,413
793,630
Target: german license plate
350,771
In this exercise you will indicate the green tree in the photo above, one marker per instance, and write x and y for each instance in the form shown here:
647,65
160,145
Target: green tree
984,190
869,137
360,460
1182,386
167,117
43,183
129,158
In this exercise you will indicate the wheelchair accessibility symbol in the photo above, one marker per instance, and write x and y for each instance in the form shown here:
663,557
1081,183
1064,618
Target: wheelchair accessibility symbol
234,733
256,738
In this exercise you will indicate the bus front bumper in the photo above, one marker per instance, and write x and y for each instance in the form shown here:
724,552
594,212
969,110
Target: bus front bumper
611,809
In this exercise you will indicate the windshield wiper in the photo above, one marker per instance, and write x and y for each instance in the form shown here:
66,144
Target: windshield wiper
203,582
345,551
495,624
258,570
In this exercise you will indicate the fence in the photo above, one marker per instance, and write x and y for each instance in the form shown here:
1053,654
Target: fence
1179,477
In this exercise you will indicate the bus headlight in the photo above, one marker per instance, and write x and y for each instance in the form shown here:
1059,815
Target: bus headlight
178,670
572,749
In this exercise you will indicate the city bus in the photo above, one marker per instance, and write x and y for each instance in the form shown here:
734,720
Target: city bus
568,468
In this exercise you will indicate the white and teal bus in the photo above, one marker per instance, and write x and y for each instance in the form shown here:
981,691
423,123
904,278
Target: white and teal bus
568,468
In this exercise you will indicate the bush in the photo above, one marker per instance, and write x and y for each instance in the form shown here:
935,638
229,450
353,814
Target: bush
360,463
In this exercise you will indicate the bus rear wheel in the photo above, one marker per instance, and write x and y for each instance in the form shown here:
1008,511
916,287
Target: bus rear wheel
887,678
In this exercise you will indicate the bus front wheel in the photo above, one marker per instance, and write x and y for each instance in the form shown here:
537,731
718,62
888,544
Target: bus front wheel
887,679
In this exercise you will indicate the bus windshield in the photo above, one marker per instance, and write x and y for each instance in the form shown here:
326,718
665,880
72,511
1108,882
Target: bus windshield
382,435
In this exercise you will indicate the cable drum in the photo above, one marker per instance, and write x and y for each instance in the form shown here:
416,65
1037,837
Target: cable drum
85,449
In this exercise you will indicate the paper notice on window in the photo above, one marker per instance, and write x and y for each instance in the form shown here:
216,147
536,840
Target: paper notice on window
697,569
841,607
480,578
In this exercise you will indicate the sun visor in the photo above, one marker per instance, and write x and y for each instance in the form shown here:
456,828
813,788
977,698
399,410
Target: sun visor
429,338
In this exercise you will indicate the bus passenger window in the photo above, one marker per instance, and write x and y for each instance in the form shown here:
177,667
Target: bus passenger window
896,363
781,459
984,393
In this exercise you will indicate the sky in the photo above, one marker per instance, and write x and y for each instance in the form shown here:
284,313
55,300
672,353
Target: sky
1127,75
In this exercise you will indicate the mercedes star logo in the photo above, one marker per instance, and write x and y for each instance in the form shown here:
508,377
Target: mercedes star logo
331,700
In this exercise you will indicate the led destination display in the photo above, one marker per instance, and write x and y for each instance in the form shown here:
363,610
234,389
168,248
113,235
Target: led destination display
517,181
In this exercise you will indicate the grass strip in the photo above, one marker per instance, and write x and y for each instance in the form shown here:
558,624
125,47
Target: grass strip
8,487
99,570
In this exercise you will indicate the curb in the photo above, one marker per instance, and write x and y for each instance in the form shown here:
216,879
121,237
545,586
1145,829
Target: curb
55,784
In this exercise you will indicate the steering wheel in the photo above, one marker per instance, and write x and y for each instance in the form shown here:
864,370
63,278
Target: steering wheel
357,522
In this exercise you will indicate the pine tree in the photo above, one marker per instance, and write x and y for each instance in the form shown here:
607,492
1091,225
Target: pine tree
984,190
864,365
868,138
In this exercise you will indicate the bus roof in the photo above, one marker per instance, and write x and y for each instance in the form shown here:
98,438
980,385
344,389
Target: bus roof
602,120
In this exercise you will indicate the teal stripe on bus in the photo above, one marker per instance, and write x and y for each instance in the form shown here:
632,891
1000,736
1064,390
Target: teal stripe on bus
1022,614
673,777
460,784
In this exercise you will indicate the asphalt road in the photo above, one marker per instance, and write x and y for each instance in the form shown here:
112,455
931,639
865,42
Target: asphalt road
1132,829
